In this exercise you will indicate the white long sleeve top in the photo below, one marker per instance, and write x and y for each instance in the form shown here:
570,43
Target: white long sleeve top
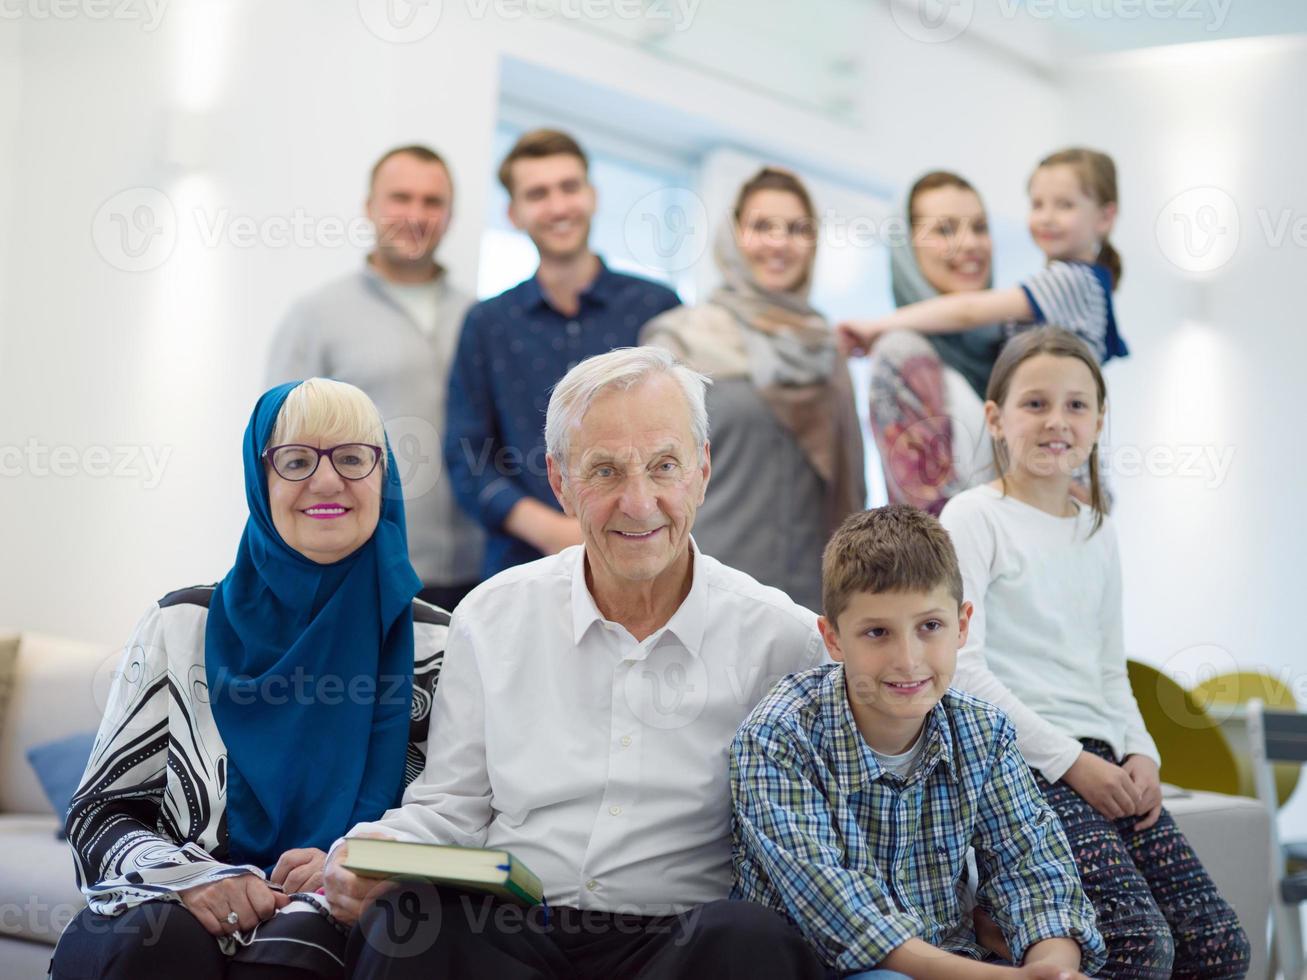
1046,642
598,760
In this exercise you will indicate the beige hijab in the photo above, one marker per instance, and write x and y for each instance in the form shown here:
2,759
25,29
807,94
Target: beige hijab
787,349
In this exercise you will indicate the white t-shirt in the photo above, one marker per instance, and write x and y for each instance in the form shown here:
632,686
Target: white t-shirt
1045,643
903,763
421,301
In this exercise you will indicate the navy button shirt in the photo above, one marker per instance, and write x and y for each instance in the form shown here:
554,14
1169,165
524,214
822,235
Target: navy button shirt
514,348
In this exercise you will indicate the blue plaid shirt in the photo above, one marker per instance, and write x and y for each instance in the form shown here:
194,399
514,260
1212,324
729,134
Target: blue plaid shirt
863,861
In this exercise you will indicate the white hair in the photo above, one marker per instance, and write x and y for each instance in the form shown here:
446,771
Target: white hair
622,369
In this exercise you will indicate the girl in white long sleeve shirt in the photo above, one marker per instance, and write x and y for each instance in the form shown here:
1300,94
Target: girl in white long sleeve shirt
1046,645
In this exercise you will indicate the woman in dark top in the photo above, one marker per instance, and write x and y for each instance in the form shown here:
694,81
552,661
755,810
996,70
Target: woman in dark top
786,445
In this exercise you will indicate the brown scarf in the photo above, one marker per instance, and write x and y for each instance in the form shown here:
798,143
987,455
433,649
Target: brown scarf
787,349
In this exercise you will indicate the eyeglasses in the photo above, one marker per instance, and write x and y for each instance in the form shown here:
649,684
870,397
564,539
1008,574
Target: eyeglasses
352,460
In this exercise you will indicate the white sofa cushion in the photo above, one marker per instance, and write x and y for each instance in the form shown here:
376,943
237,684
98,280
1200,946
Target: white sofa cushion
37,882
60,688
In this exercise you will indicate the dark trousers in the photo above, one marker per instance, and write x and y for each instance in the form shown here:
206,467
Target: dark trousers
163,941
1158,910
446,596
417,932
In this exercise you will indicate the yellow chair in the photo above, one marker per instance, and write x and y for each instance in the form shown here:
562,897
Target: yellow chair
1225,698
1195,753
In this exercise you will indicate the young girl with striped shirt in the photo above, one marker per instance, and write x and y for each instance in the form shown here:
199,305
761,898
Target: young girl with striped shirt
1073,204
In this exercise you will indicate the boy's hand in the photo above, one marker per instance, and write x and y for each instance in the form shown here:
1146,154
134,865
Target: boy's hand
988,934
1143,773
1107,787
1048,971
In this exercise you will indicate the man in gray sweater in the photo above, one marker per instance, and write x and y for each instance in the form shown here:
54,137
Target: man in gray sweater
391,328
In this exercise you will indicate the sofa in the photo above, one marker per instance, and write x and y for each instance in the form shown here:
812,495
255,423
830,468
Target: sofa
49,688
57,687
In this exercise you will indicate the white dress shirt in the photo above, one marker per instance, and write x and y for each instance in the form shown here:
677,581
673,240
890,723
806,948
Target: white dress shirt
597,760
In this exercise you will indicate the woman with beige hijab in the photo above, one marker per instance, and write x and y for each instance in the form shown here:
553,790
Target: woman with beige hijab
786,445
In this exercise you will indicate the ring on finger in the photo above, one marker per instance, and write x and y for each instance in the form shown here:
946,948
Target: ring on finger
232,918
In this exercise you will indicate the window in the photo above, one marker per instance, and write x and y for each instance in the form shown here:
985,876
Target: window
626,188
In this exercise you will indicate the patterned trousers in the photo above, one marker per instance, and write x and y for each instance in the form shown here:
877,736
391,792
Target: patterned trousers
1158,910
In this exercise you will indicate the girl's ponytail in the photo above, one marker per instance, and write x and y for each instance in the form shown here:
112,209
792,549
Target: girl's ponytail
1111,259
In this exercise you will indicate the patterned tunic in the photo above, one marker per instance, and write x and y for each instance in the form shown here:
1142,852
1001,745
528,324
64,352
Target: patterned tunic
150,816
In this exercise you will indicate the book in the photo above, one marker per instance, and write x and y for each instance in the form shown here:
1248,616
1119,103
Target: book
476,868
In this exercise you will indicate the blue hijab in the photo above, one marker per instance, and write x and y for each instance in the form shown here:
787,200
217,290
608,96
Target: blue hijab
310,671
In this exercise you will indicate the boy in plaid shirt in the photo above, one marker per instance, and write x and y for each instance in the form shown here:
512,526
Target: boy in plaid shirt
860,785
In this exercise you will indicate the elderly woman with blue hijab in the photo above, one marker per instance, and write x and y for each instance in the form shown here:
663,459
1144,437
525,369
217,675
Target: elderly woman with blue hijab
253,722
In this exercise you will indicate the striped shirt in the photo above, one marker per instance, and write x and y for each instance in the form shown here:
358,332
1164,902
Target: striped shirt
1078,297
863,860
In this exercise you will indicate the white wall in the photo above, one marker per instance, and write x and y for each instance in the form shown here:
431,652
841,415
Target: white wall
1212,560
269,111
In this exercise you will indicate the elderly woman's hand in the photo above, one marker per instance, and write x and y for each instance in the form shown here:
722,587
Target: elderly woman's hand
349,894
247,895
299,870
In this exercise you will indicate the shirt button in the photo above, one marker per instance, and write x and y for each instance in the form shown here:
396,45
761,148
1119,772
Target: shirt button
615,810
626,740
573,328
591,885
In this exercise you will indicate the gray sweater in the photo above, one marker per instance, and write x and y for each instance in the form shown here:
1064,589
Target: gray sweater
352,330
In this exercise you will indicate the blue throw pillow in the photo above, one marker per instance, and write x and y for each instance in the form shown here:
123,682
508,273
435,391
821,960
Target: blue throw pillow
59,766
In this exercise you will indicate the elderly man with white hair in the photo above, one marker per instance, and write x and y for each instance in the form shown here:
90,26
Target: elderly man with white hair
582,721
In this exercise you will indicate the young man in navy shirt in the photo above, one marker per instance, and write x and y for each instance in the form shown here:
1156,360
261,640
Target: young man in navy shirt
516,346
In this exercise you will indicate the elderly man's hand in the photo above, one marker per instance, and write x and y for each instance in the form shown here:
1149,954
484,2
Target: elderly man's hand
349,894
299,870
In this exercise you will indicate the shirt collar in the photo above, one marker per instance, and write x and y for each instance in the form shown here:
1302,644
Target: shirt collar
374,277
599,292
687,624
855,762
